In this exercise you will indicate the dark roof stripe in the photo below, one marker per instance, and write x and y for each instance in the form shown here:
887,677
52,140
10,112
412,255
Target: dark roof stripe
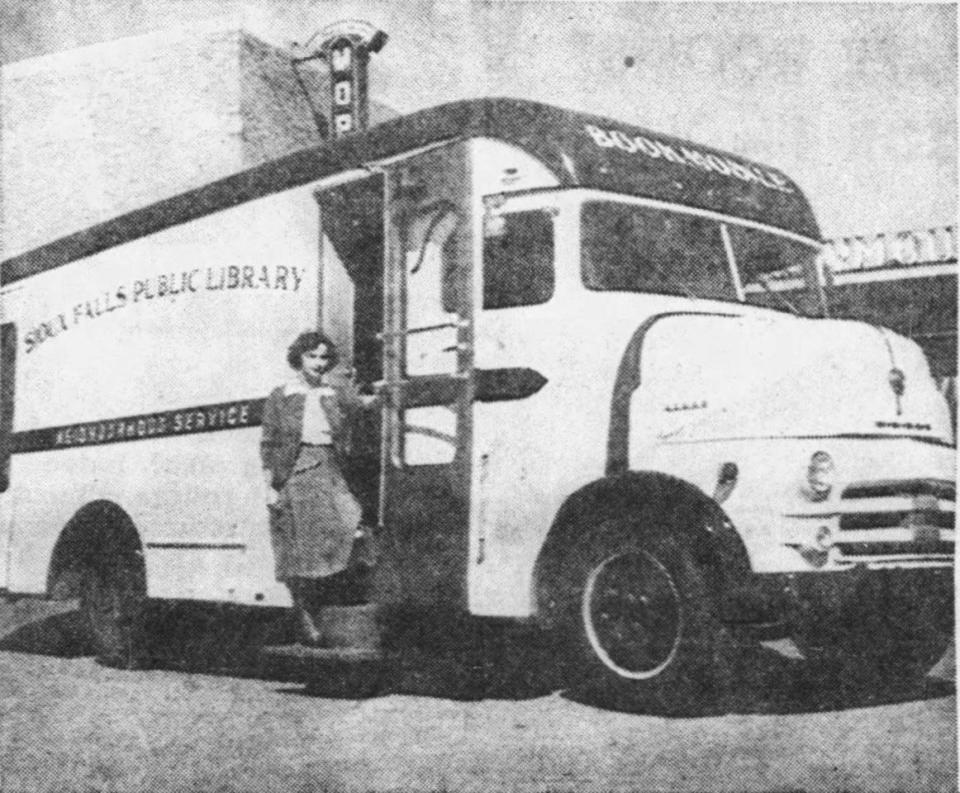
557,137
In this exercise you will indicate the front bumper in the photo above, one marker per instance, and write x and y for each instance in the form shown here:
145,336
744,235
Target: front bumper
776,605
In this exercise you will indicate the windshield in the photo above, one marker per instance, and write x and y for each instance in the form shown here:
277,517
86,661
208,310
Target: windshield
641,249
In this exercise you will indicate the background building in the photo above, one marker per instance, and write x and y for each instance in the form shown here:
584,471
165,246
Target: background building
93,132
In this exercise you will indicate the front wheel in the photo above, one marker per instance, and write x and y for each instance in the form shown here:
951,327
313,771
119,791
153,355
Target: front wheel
113,602
638,624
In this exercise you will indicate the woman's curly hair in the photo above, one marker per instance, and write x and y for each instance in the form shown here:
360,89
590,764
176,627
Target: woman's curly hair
310,340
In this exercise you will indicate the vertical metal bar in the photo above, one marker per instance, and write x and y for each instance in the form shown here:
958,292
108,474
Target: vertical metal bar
393,342
8,354
321,269
819,279
386,374
732,263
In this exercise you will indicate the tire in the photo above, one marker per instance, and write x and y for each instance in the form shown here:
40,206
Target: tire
890,633
113,601
636,621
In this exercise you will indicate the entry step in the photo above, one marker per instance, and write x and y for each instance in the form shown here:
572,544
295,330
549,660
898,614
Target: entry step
309,654
349,627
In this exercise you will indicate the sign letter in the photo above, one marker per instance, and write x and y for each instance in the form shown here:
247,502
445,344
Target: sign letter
340,59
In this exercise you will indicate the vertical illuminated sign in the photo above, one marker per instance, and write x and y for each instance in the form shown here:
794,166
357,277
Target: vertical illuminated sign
346,48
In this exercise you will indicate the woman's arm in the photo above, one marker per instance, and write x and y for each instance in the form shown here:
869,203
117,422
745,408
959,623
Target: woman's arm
270,441
352,398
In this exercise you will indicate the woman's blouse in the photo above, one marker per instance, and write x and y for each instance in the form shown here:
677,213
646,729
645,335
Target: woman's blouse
316,426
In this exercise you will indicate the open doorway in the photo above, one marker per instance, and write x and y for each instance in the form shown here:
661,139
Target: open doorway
351,313
351,217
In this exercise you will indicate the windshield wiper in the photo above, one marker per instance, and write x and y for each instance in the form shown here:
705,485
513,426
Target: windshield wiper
762,279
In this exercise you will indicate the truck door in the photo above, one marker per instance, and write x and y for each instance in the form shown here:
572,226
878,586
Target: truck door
351,309
427,382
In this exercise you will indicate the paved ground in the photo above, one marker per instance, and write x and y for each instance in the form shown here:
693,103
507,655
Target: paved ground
210,719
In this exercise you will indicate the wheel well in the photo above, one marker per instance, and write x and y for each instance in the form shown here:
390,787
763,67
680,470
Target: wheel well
713,541
99,534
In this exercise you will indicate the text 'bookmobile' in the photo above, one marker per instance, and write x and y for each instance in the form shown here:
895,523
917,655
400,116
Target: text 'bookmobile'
590,420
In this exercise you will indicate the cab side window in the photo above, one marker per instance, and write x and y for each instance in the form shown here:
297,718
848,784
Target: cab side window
518,259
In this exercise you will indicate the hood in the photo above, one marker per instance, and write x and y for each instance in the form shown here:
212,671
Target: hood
711,377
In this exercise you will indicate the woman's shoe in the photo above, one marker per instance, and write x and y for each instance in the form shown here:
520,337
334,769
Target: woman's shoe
306,628
364,550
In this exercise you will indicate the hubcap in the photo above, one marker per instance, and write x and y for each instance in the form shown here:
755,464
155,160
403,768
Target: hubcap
632,616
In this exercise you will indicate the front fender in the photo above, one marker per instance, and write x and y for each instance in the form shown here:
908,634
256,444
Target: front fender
708,533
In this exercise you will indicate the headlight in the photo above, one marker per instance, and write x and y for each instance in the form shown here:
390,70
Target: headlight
818,554
820,476
824,538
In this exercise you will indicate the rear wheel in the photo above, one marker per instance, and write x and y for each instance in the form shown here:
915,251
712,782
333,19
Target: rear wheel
113,601
637,621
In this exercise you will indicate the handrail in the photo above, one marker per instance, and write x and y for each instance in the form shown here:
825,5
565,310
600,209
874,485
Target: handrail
387,334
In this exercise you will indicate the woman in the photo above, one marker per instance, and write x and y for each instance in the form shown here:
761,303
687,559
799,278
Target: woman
314,517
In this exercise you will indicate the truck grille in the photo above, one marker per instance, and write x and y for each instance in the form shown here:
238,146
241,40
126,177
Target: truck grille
902,519
887,520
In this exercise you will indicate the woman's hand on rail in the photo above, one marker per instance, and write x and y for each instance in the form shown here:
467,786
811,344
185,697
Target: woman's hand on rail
270,495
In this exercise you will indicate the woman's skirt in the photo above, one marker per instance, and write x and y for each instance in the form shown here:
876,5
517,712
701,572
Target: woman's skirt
314,521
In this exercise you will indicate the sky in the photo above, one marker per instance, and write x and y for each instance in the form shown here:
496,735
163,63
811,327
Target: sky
856,102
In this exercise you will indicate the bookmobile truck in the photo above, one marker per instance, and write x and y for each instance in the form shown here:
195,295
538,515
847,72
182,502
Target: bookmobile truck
590,422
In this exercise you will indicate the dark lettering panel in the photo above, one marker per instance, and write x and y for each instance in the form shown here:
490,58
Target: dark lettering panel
493,385
186,421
